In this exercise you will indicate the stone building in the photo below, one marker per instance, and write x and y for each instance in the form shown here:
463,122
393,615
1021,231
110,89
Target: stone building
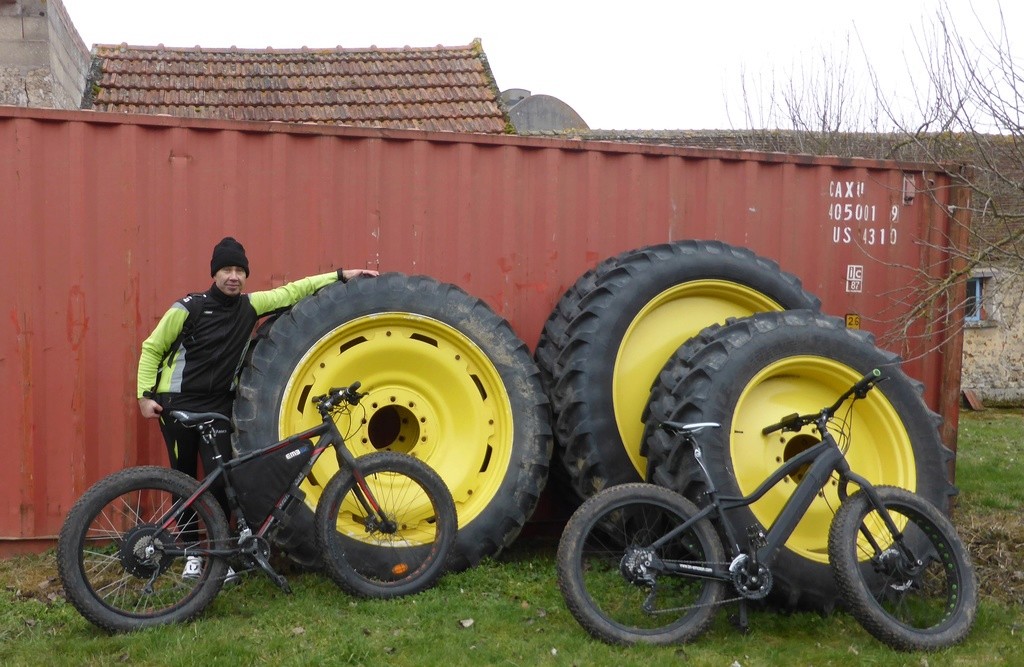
43,60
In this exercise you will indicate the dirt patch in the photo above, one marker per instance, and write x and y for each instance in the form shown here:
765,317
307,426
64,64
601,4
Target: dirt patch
995,540
31,578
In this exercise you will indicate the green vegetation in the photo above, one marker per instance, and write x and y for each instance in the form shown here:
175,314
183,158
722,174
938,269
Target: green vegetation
509,612
990,460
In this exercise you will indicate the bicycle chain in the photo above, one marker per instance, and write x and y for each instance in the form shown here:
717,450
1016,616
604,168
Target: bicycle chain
654,590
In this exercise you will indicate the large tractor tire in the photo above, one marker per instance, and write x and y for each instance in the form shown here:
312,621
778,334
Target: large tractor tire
448,382
623,330
547,353
752,372
552,336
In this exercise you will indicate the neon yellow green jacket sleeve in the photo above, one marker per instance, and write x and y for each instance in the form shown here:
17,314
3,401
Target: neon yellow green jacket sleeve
156,346
290,294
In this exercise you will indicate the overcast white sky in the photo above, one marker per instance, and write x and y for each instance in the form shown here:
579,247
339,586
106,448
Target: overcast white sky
662,64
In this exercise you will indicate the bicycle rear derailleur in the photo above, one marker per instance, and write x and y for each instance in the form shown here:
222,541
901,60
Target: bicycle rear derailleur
638,566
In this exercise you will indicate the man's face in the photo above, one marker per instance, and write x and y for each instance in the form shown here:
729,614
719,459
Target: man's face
230,280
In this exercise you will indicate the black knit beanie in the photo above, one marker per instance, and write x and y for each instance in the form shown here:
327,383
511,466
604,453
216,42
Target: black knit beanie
228,252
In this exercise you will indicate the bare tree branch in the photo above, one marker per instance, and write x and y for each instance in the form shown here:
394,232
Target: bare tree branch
967,108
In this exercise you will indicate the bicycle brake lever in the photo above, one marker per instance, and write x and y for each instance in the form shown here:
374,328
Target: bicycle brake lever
352,394
877,379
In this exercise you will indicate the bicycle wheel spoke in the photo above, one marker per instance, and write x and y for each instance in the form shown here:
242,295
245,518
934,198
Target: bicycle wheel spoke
113,554
914,590
618,586
400,550
636,602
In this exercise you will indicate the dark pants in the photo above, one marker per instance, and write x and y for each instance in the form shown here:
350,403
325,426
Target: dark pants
185,448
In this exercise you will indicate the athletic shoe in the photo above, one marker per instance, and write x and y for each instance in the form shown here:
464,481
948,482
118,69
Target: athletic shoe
193,568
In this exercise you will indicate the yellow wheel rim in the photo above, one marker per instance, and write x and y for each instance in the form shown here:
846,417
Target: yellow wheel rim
432,393
880,448
416,525
666,322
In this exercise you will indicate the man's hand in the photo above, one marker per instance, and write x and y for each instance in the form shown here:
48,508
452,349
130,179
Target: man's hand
349,274
149,408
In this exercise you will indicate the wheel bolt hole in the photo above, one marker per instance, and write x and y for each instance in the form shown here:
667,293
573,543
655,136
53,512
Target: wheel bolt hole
393,425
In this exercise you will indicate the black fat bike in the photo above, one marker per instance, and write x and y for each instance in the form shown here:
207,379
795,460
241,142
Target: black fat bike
150,546
639,563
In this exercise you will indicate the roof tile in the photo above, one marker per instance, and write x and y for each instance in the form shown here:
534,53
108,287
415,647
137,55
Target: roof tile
437,88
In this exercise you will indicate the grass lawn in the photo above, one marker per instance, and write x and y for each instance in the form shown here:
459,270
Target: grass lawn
508,611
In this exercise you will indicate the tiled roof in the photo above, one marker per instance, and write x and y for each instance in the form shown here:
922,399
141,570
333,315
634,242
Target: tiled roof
440,88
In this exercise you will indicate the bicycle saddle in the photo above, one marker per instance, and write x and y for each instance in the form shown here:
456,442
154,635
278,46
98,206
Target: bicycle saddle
191,419
680,427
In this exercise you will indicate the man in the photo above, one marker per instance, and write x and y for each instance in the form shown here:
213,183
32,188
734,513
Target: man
190,360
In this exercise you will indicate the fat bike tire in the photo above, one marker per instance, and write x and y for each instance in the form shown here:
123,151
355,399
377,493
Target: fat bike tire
922,596
111,558
373,561
607,597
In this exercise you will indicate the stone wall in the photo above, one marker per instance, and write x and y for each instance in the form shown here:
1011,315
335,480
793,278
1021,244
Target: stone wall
993,358
43,60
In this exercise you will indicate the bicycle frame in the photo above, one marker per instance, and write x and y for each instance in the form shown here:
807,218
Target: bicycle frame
326,433
823,459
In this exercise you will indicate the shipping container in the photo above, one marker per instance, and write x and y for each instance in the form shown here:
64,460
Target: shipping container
106,219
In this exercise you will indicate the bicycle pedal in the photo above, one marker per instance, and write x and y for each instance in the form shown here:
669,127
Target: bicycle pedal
272,574
756,537
281,582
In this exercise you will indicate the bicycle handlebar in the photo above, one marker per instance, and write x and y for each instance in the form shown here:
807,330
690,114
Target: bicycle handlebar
336,395
861,388
792,421
795,421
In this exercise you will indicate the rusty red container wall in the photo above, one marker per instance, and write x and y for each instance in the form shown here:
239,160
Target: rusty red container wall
106,219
